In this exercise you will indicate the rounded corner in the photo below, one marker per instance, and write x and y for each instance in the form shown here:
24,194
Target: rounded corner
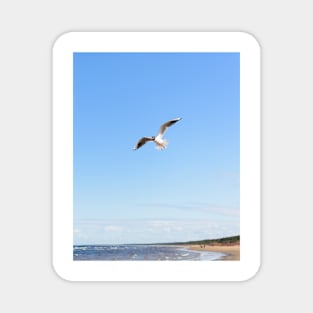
61,39
251,39
59,273
250,275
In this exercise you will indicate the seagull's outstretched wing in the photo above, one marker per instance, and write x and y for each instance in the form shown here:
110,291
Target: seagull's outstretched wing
142,141
165,126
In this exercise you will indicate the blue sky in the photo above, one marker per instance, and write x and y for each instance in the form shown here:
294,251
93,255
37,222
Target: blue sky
188,191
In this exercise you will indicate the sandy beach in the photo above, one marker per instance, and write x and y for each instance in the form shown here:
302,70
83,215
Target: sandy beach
232,251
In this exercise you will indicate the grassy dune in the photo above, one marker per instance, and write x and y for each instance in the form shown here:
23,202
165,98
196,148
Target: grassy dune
221,241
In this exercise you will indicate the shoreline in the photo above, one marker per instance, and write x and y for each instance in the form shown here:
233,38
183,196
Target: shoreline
232,252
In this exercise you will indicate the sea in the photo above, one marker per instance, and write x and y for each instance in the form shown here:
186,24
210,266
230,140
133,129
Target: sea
141,253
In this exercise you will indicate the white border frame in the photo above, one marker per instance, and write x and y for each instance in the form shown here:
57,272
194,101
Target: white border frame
63,50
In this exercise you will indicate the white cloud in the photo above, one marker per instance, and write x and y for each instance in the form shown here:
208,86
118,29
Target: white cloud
112,228
199,207
151,231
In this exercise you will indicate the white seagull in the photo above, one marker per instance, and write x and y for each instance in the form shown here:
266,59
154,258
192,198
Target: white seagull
158,140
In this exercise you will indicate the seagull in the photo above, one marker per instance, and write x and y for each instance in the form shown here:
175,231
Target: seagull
161,143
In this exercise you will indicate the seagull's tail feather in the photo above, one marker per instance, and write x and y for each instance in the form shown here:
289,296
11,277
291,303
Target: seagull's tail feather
163,145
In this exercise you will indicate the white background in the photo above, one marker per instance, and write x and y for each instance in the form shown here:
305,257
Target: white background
28,30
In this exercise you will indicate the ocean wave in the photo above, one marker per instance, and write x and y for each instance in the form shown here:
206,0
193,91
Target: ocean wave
141,253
